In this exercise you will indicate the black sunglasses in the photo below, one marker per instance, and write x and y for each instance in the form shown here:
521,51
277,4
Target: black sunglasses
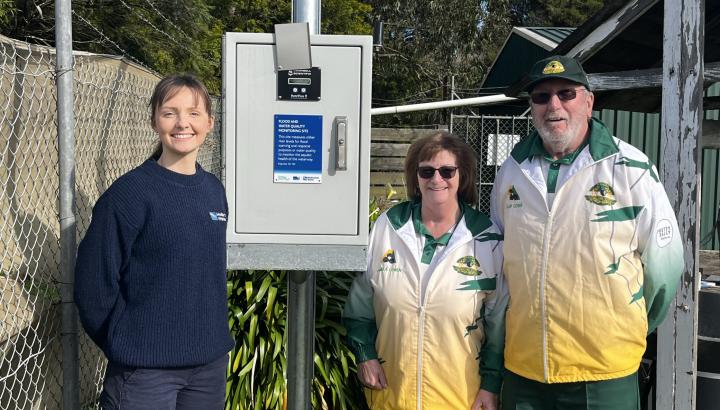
563,95
446,172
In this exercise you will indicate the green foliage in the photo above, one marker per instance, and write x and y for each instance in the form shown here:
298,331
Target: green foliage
429,44
345,17
7,11
169,36
258,320
554,13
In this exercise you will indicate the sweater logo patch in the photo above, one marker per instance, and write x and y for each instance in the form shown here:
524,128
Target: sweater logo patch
218,216
601,194
663,233
513,198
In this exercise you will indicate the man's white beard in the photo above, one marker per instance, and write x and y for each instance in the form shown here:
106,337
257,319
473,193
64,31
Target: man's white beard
559,141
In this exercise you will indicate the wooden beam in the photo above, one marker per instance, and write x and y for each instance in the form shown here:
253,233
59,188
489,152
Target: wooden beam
387,149
632,79
649,78
401,134
683,50
387,164
605,32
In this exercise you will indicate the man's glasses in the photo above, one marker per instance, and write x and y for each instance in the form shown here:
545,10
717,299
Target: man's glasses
563,95
446,172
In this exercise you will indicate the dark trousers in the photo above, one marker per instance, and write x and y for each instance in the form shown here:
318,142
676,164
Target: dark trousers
186,388
519,393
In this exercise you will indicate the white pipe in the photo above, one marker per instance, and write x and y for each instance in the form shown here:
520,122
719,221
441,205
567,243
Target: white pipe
486,100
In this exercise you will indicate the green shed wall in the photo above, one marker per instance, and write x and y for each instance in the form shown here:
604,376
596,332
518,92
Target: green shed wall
643,131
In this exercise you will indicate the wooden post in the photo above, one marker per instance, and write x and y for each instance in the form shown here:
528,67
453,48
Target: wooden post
682,96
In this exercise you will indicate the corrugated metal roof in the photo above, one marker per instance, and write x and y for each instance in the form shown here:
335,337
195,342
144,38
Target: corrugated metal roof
554,34
522,47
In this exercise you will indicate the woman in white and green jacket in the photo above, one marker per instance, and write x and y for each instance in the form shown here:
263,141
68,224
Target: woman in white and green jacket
425,319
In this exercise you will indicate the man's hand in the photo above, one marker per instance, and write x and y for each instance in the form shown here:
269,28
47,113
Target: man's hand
371,374
485,401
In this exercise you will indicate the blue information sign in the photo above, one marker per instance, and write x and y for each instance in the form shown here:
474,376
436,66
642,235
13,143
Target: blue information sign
298,149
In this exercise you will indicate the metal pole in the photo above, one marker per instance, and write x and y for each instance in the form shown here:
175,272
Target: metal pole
307,11
301,285
485,100
301,336
66,159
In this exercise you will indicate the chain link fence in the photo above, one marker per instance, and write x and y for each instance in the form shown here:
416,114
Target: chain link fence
113,135
492,138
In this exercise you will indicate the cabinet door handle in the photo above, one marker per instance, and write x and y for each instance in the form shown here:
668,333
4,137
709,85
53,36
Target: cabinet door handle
341,143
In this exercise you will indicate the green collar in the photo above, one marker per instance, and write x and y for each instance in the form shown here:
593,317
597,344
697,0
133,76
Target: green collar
431,243
475,221
600,141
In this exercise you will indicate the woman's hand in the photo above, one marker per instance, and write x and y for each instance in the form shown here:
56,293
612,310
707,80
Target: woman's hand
371,374
485,400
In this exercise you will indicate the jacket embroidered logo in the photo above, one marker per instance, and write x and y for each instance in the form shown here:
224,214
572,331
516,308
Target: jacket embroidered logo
664,232
512,194
513,198
389,256
601,194
468,265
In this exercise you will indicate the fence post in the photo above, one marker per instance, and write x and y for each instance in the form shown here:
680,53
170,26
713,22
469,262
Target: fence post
66,159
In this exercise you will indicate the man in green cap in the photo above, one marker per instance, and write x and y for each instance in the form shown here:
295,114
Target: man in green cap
592,252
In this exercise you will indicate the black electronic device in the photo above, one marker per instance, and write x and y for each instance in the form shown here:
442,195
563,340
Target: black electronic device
299,85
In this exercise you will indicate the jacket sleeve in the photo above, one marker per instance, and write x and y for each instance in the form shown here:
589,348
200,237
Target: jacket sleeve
496,199
359,313
102,255
662,255
491,356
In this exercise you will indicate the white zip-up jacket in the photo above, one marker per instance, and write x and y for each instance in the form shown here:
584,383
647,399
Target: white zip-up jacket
590,276
430,341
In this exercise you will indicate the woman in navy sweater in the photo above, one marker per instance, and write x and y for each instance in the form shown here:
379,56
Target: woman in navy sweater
150,282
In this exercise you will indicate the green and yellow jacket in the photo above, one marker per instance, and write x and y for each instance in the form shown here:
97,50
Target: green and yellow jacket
592,275
430,340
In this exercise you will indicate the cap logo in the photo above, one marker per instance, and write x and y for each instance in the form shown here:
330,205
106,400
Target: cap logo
553,67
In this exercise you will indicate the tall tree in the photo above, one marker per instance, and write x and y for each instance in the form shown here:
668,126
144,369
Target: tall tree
431,44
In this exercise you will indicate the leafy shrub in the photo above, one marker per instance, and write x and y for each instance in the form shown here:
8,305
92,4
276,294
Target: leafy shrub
258,366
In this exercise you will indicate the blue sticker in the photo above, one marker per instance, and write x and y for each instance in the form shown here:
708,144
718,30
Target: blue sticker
298,149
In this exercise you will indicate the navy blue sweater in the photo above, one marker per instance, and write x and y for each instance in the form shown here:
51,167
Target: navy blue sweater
150,281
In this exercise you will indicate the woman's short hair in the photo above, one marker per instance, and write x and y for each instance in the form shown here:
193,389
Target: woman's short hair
425,148
167,88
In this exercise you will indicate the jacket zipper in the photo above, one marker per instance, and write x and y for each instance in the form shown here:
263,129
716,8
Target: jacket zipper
543,279
421,334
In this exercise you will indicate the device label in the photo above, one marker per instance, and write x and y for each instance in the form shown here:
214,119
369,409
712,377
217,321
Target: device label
298,149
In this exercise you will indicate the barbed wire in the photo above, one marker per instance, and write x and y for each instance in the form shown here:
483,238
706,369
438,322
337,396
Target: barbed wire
408,97
106,38
152,5
149,23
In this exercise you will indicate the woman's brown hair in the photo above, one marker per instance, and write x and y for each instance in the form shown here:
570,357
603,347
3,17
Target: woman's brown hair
167,88
425,148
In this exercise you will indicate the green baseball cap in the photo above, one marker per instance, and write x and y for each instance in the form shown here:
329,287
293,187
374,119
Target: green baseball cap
556,66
